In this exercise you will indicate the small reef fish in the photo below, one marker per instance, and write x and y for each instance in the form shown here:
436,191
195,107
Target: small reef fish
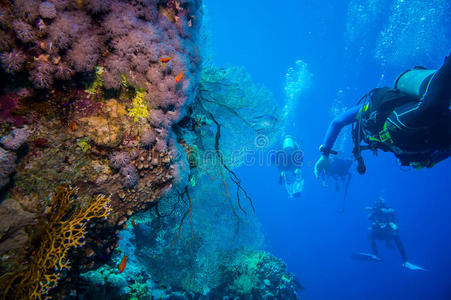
179,77
164,60
122,265
133,223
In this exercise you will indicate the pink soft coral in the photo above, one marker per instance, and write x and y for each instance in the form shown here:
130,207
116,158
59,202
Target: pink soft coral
24,31
47,10
12,61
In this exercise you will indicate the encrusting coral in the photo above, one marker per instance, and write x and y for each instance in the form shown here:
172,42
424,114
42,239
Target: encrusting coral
64,228
87,80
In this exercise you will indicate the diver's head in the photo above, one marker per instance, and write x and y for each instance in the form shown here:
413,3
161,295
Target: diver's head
289,143
380,202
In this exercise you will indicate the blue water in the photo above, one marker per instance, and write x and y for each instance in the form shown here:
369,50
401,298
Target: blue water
316,241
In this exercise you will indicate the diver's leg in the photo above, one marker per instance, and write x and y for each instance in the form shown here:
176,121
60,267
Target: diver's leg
434,105
400,246
436,100
373,245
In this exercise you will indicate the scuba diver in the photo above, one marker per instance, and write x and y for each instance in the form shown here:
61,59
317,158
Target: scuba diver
413,121
289,161
384,227
339,170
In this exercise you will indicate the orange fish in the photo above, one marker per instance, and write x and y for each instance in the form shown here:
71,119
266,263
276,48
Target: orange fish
179,77
123,263
165,60
133,223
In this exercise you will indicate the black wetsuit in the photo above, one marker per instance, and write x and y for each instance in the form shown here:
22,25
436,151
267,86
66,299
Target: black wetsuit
420,130
420,126
384,228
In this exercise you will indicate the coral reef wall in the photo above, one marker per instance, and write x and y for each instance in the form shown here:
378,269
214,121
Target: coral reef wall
90,91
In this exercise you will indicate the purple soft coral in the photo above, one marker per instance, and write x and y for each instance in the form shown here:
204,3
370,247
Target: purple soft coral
47,10
130,176
7,160
42,74
97,6
15,139
24,31
12,61
119,160
85,54
148,137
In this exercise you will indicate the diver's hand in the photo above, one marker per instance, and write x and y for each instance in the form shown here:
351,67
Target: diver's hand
321,166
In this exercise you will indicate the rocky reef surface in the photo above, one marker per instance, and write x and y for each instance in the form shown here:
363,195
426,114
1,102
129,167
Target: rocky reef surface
107,113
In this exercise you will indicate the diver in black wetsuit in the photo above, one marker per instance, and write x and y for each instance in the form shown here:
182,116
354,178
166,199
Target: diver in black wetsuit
413,120
383,227
339,170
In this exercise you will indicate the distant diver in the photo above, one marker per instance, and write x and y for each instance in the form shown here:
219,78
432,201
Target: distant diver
413,120
339,170
289,161
384,228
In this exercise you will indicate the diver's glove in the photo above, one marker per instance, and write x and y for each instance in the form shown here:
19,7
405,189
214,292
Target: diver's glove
411,266
321,166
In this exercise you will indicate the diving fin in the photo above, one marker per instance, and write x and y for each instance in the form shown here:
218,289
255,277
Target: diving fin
411,266
366,257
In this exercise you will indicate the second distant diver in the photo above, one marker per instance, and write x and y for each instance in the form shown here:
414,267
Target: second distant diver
339,170
289,161
384,227
413,120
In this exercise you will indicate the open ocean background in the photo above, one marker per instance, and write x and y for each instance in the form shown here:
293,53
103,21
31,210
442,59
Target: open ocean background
350,46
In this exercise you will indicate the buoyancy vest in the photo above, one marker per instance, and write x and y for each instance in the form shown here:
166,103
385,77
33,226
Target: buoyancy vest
371,125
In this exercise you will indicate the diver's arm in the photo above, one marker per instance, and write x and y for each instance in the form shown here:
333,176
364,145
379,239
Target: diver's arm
337,125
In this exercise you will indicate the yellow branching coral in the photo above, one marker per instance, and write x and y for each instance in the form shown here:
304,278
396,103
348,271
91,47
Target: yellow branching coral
139,109
98,82
64,229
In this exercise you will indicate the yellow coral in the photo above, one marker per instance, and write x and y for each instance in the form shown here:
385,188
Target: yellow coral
65,228
83,144
124,82
139,109
98,81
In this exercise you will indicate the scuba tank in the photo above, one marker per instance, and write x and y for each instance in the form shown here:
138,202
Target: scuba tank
288,142
415,82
